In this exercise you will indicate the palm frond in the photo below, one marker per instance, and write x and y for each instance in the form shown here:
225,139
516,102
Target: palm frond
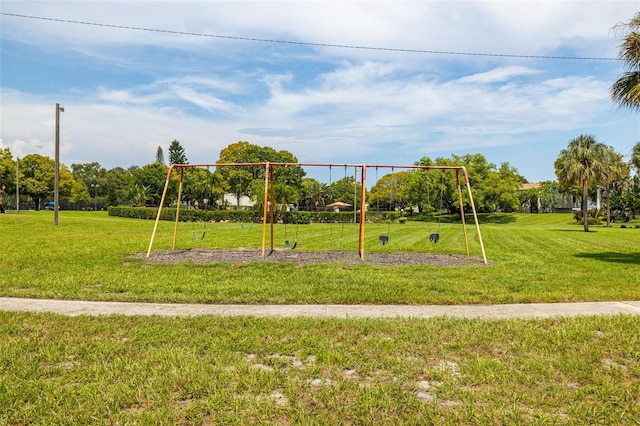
626,90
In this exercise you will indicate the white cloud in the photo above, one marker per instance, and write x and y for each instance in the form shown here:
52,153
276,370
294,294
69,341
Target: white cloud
145,89
498,75
525,27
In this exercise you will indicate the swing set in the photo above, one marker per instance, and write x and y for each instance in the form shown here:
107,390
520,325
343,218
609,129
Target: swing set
269,217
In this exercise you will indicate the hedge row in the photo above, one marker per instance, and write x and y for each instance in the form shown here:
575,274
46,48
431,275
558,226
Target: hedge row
192,215
186,215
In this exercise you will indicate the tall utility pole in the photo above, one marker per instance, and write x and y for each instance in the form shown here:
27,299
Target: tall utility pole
56,187
17,184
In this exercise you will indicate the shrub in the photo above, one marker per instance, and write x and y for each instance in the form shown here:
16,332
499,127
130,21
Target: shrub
594,216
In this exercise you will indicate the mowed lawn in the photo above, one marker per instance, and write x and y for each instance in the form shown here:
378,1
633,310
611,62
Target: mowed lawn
533,258
117,370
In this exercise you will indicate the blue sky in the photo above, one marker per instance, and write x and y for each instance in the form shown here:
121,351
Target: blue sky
126,92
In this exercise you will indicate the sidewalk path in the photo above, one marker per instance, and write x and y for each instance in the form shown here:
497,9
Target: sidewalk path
530,310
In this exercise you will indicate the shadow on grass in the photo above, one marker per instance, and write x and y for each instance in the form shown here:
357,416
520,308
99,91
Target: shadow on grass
628,258
496,218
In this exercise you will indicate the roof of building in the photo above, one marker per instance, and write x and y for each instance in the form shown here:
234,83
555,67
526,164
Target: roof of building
526,186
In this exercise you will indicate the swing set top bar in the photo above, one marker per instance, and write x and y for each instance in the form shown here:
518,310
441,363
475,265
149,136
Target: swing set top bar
347,165
369,166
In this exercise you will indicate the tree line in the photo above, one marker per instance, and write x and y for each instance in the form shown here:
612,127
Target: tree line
494,188
89,185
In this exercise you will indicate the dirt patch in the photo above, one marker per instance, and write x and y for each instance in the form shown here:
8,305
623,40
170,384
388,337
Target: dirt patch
240,256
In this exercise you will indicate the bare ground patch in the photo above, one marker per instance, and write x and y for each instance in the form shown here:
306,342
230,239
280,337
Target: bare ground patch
240,256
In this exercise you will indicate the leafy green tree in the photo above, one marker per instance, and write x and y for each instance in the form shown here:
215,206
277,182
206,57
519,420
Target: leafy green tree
501,189
238,180
389,192
7,174
7,170
79,193
37,179
479,170
94,178
548,195
626,90
492,189
419,183
177,154
200,187
89,172
582,163
241,181
151,178
349,190
432,189
119,186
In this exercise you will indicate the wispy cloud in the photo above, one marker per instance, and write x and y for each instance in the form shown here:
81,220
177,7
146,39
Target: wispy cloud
498,75
127,91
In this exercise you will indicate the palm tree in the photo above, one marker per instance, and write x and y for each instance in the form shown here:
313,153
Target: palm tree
314,194
582,163
615,171
626,90
635,157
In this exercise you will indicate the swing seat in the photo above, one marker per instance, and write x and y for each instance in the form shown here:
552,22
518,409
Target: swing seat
195,234
288,245
434,238
384,239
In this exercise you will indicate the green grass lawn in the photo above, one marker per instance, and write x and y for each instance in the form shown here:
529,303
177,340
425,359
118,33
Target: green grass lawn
117,370
533,258
208,370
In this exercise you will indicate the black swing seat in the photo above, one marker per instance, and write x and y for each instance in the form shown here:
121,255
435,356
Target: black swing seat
384,239
434,238
288,245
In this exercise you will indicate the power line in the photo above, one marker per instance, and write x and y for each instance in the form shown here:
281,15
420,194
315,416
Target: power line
304,43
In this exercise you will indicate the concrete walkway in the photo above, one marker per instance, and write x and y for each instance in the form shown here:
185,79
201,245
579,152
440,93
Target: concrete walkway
530,310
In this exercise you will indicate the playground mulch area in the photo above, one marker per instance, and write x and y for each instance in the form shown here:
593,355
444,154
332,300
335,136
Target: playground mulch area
240,256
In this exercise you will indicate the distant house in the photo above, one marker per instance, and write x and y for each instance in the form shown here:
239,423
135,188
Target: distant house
564,202
232,201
